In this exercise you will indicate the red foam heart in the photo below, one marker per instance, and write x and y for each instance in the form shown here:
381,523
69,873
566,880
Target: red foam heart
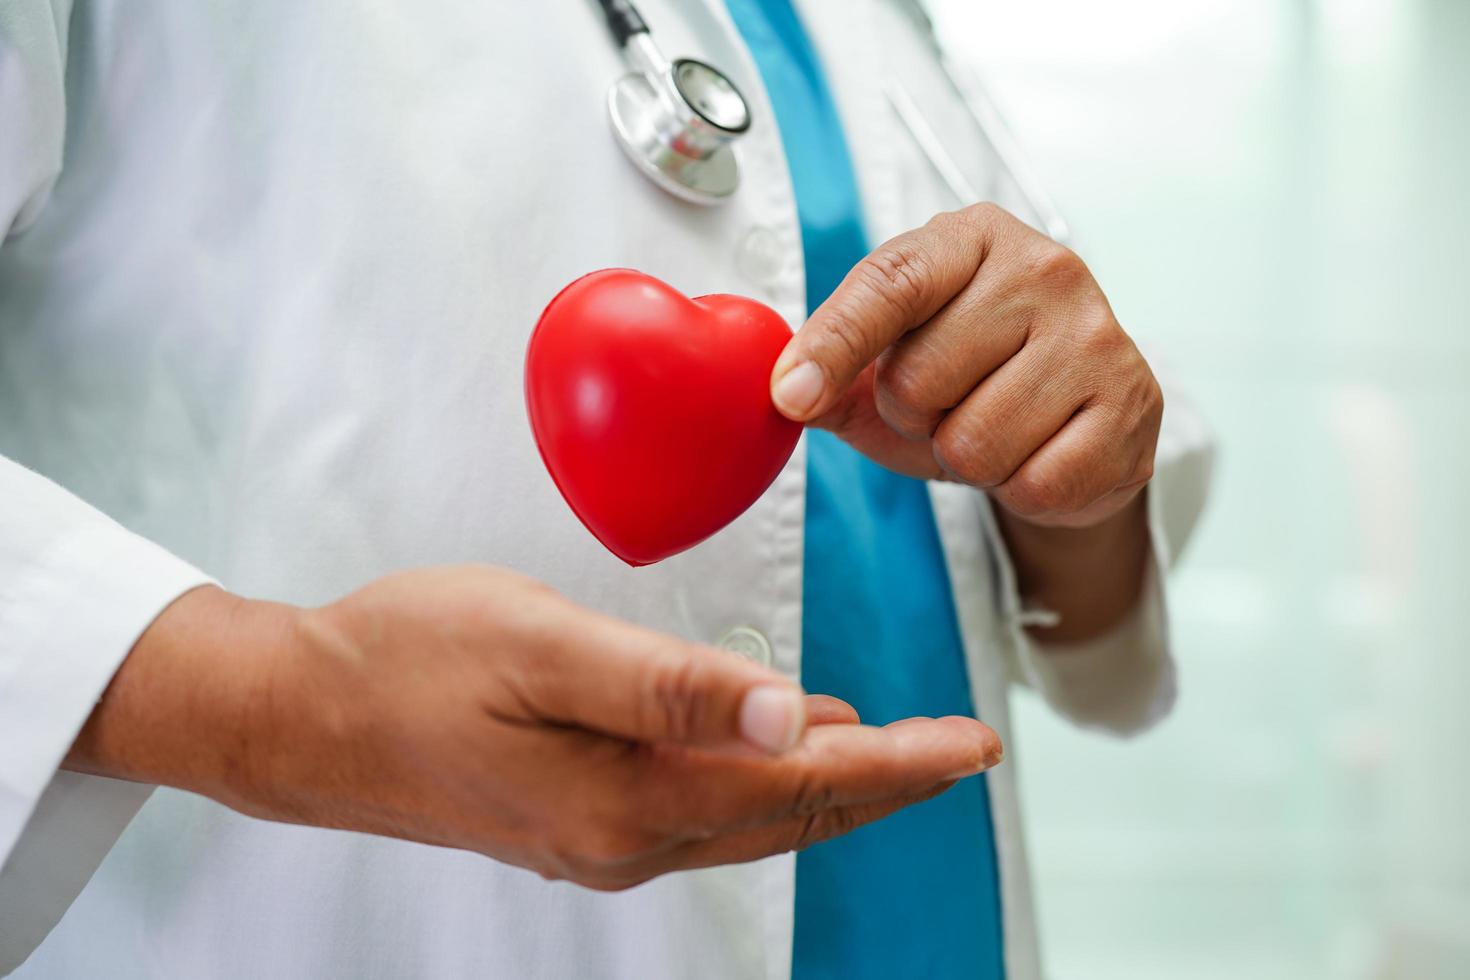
653,410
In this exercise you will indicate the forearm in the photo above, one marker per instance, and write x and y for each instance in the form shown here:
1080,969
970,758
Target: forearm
1091,577
179,710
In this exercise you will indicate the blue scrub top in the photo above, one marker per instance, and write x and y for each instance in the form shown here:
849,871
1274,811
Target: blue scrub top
915,895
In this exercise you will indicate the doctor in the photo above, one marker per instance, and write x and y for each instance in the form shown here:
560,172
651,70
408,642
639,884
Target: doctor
270,494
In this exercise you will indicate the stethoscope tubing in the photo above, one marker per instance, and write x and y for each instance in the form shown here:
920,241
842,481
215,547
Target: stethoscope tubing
682,173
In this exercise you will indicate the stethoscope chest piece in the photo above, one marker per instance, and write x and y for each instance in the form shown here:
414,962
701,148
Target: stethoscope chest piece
675,120
653,140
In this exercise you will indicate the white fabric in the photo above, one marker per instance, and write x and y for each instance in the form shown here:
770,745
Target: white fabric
270,317
32,63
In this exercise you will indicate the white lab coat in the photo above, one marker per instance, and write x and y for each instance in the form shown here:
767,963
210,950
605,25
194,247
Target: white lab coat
270,274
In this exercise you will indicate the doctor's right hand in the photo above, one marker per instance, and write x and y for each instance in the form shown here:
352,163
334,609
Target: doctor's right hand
471,707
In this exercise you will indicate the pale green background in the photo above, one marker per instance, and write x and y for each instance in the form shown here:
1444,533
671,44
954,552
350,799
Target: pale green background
1276,193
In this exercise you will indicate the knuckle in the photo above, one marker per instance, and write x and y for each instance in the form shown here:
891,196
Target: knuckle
810,832
1148,409
1139,400
1097,332
824,826
905,381
982,214
1054,491
1143,471
811,795
966,455
907,397
1153,400
898,271
949,223
1019,497
1056,265
675,698
841,343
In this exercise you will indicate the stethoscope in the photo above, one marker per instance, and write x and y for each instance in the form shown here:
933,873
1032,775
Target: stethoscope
678,121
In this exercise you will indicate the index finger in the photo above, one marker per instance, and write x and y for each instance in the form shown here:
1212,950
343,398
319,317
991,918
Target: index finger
897,287
700,794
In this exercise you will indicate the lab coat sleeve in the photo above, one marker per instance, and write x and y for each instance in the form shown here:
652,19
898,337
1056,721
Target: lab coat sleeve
1124,681
76,589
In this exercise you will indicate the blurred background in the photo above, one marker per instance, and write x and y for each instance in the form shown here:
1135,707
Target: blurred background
1276,196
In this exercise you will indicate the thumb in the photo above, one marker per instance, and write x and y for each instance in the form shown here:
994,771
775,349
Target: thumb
895,288
629,682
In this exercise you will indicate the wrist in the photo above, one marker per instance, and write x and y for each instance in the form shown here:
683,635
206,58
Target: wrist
188,704
1091,576
1088,543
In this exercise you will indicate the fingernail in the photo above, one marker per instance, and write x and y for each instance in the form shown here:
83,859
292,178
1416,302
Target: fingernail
992,758
799,390
772,717
965,773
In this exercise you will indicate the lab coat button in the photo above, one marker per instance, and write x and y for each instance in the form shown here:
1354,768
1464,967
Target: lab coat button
760,257
749,642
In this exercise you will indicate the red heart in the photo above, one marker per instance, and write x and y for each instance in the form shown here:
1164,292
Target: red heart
653,410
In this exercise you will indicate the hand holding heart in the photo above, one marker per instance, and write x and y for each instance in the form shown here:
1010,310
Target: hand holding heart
976,349
972,349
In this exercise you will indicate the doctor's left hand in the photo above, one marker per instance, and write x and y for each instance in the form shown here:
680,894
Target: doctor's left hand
978,350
